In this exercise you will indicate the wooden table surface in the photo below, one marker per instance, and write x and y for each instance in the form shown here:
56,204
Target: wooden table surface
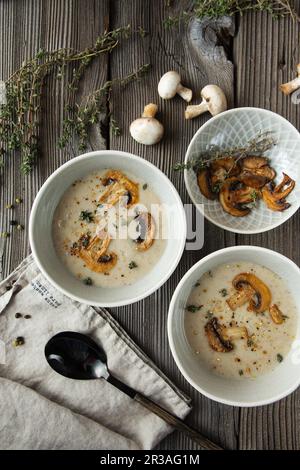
264,53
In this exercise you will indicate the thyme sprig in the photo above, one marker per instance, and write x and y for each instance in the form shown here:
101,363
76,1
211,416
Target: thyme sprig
20,111
257,145
218,8
89,111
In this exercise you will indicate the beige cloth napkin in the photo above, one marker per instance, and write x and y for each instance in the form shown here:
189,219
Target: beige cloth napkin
40,409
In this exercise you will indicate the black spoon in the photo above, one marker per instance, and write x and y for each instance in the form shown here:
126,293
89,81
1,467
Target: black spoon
77,356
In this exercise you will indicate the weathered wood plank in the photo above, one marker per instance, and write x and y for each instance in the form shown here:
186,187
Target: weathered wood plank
265,54
146,321
25,27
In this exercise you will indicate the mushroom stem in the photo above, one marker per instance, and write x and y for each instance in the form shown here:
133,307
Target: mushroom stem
195,110
289,87
150,110
184,92
213,100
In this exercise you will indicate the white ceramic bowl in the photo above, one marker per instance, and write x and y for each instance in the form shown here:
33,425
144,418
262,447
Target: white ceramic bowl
234,128
284,379
40,228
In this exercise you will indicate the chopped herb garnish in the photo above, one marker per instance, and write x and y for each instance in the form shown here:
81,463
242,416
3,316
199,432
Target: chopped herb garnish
279,358
13,222
132,265
19,341
5,234
87,216
197,284
18,200
223,292
20,227
87,281
85,240
254,195
241,372
145,186
18,315
193,308
209,315
250,342
27,317
210,273
9,206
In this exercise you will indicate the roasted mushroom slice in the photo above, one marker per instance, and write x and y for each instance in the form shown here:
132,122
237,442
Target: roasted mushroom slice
274,196
146,229
204,183
257,177
225,167
276,314
228,197
252,180
215,338
261,298
95,254
119,186
252,162
240,297
235,332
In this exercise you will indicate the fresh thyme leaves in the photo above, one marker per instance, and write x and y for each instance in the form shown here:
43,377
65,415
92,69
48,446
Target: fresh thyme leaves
132,265
193,308
279,357
88,281
86,216
223,292
88,112
115,130
20,112
257,145
218,8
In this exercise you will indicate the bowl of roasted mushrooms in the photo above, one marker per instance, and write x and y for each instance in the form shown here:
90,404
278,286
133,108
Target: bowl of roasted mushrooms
233,326
242,170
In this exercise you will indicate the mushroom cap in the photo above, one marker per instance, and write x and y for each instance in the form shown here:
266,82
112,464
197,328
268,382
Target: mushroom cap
167,87
215,99
147,131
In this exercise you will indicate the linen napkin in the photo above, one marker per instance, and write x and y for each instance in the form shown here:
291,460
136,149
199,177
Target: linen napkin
39,409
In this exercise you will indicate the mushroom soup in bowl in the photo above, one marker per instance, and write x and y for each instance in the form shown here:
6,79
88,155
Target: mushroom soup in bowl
108,228
234,327
104,232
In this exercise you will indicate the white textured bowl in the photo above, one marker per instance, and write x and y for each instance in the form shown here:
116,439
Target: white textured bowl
284,379
234,128
40,228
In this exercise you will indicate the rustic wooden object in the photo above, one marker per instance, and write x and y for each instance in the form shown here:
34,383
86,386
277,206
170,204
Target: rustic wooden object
264,53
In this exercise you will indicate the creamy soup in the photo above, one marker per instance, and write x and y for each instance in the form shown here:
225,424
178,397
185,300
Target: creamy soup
109,228
237,328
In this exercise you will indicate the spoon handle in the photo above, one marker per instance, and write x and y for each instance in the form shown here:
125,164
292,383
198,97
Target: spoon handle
177,423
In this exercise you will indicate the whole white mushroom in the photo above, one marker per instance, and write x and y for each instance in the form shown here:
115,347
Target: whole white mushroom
147,130
213,101
169,85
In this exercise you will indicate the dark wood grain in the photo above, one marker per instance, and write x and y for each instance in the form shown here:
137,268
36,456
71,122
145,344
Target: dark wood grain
146,321
25,27
264,53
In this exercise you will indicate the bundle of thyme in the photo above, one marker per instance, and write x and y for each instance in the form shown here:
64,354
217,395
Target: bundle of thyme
89,111
218,8
257,145
20,111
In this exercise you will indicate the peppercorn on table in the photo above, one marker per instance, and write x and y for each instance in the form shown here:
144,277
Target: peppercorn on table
259,53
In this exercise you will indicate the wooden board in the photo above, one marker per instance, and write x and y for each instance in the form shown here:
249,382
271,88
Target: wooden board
265,53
